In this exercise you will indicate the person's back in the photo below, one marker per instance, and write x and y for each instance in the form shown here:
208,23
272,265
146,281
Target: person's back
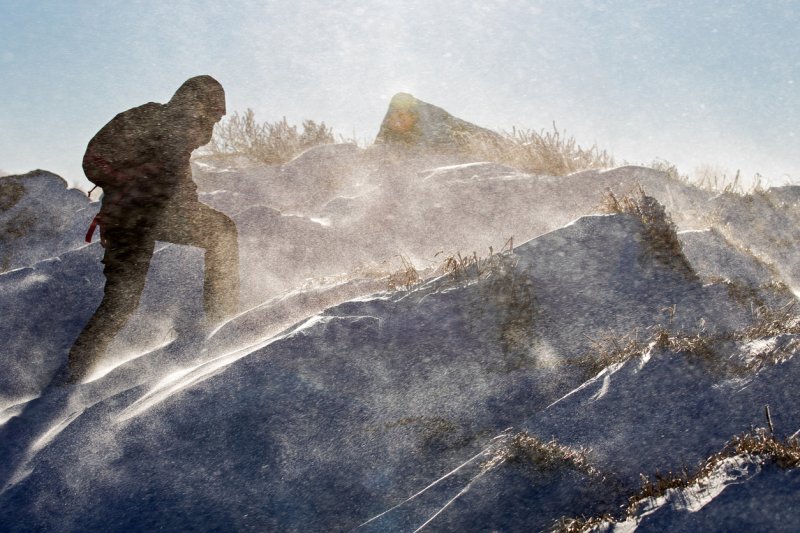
141,160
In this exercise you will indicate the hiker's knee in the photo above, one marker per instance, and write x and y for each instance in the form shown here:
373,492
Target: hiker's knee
224,237
120,299
124,285
216,226
226,226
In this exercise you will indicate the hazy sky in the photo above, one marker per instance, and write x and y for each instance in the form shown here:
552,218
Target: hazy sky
712,82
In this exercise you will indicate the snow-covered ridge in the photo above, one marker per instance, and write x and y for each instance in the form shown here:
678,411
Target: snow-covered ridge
541,386
376,398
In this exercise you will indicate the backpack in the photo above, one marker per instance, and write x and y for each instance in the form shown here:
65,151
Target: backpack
121,154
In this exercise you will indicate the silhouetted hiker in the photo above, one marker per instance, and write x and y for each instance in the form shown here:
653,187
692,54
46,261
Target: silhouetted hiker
141,160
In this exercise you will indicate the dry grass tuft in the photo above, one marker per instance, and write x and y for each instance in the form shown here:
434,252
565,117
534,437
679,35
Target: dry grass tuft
719,182
750,295
699,344
659,484
544,152
460,267
764,445
771,322
669,169
455,267
710,178
524,448
759,444
609,350
406,277
767,322
661,232
581,525
270,143
612,349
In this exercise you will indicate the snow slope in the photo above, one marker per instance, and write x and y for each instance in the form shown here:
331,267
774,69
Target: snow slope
345,415
539,385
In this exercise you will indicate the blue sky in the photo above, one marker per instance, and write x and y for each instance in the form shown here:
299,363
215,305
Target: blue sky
713,84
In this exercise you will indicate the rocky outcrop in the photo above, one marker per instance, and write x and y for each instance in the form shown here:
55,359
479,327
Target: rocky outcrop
411,122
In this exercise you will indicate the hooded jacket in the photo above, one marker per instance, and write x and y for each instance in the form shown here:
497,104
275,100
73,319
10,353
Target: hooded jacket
141,157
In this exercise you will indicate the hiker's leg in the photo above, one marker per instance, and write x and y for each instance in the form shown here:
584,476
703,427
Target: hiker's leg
126,265
204,227
220,240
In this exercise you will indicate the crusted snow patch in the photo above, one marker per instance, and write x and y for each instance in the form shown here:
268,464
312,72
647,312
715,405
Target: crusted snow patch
470,172
322,221
759,492
779,348
697,495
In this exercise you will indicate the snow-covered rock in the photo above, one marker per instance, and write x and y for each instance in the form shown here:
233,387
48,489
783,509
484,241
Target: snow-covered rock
714,257
40,218
767,223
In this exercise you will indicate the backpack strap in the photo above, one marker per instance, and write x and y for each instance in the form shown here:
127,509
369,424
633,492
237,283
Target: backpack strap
92,226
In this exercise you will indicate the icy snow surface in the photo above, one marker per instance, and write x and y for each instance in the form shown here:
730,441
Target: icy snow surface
333,405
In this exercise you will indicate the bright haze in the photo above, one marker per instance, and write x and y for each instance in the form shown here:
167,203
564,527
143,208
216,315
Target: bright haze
711,85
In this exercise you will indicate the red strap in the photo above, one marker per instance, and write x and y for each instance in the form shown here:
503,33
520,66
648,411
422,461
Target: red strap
92,226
